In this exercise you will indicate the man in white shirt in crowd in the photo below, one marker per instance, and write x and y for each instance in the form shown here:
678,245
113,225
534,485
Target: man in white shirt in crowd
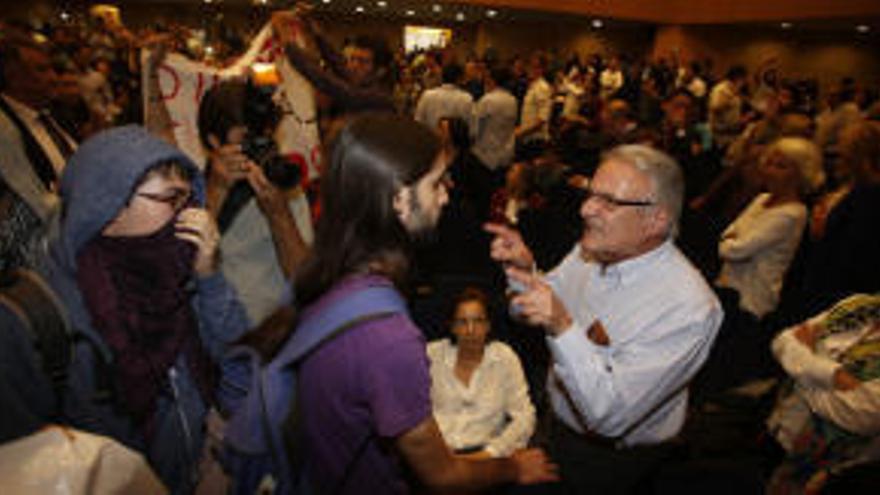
611,79
494,122
34,147
446,101
628,321
689,79
533,132
725,107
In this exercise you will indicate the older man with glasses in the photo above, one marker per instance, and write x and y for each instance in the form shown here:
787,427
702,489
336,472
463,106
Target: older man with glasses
628,322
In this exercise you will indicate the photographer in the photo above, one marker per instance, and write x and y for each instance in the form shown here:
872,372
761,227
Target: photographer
263,217
253,193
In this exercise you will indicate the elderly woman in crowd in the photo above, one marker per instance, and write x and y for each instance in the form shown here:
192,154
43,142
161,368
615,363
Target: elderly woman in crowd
759,245
828,418
845,240
480,396
135,262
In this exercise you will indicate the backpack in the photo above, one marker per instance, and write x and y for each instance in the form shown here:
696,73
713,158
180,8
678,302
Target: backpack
262,396
35,307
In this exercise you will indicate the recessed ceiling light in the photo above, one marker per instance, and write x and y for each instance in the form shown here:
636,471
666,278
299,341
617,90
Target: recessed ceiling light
359,9
863,28
459,16
208,1
491,13
65,16
410,13
381,4
597,23
437,8
785,25
326,1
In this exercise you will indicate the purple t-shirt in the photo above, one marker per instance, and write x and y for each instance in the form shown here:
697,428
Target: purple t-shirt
370,381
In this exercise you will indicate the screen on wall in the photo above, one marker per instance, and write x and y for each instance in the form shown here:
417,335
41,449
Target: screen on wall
423,37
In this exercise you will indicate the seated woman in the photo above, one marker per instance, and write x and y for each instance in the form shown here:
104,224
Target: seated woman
828,419
481,400
135,263
757,248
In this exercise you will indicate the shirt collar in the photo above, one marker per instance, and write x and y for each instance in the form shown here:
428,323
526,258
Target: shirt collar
624,272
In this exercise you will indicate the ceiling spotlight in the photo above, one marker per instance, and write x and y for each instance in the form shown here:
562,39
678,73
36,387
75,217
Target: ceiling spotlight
785,25
359,9
208,1
863,28
65,16
459,16
410,13
381,4
326,1
491,13
437,8
597,23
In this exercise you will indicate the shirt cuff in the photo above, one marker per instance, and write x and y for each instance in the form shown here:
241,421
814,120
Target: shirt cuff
803,364
565,347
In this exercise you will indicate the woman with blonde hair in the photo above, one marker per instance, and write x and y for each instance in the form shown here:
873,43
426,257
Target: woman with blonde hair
757,248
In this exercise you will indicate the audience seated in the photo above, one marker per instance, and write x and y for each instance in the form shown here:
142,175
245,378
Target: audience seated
759,245
479,392
841,256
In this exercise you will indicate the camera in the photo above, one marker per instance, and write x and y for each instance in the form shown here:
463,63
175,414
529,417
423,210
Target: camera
261,117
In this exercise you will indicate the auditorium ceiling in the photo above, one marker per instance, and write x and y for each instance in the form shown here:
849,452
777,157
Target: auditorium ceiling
806,14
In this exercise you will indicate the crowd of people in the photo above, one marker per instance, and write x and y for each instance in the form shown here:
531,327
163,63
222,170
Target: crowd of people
583,258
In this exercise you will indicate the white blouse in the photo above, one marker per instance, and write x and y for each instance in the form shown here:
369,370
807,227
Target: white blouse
757,249
493,411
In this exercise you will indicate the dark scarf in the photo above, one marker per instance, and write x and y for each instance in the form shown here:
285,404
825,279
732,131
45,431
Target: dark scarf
136,290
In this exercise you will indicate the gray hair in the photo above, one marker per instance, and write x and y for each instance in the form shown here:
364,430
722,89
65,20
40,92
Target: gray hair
664,173
805,155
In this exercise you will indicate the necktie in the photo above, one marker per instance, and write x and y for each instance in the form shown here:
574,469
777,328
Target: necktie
55,134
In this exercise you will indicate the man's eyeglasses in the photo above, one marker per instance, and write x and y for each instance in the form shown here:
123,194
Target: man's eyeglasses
176,198
465,322
610,201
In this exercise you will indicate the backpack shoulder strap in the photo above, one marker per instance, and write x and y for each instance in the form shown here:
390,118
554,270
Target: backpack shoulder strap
43,316
366,304
253,427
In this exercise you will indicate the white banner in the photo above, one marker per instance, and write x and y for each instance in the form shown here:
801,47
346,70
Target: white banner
183,83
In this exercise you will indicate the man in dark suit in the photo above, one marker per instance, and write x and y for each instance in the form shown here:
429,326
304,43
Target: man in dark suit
35,148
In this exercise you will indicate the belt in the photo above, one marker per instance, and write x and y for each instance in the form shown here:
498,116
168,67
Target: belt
594,439
587,437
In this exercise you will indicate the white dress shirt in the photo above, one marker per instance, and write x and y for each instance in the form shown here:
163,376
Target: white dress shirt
30,118
661,318
609,82
725,107
445,101
493,128
537,105
757,249
494,410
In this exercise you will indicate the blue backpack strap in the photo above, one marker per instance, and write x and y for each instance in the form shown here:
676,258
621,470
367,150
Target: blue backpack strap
368,303
268,400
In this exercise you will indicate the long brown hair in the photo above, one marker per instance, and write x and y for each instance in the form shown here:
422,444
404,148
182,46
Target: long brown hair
359,231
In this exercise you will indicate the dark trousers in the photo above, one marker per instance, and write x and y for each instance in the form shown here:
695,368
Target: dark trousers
591,465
